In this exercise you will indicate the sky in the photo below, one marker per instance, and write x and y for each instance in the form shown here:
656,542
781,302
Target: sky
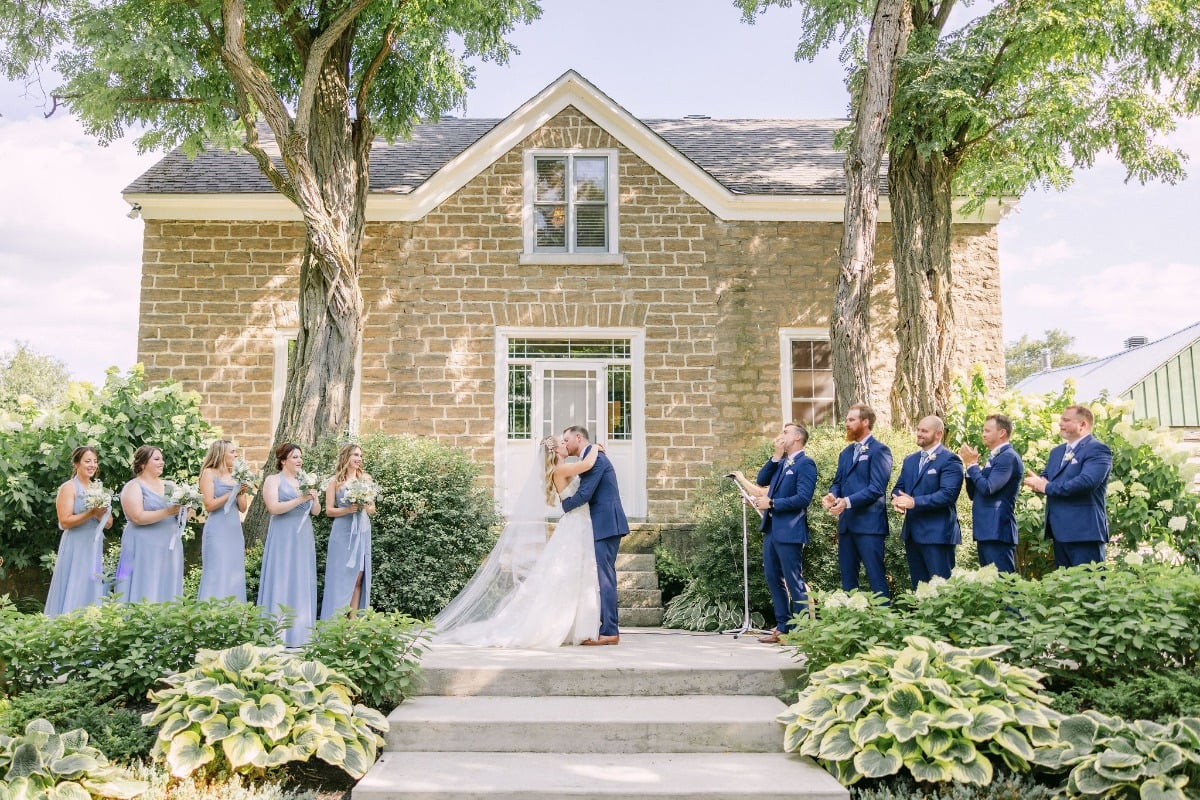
1103,261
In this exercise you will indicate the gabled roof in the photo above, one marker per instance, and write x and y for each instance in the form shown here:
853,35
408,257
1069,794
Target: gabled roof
738,169
1116,374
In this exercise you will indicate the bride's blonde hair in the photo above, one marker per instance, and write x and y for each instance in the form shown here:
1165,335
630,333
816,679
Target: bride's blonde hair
549,462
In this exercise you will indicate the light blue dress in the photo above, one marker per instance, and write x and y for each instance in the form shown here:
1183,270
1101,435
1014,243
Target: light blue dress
77,580
223,549
289,567
151,564
349,554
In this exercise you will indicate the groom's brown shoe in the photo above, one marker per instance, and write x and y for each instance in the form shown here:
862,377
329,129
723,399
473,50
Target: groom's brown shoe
599,640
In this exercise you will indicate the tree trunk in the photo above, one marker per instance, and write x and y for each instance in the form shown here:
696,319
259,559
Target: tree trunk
850,327
922,215
335,151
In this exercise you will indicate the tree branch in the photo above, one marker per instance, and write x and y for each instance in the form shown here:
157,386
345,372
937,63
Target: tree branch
943,15
250,78
368,78
316,60
295,26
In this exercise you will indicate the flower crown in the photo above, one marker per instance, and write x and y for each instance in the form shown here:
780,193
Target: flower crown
550,443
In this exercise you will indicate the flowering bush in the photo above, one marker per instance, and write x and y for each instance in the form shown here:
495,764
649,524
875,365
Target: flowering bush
36,445
1148,493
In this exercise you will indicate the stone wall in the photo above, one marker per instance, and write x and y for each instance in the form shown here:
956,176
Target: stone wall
710,295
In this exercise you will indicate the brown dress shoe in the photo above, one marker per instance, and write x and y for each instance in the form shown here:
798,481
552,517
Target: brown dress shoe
601,640
770,638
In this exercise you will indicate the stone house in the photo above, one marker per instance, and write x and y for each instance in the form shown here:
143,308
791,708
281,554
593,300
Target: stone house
676,300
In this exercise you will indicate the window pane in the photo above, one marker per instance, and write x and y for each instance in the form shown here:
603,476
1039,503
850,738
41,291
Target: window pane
590,227
551,224
822,384
591,179
802,383
619,395
822,355
802,355
812,381
551,180
520,405
569,348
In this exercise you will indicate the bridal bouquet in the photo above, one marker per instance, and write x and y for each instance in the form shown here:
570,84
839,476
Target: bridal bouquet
96,496
243,474
362,491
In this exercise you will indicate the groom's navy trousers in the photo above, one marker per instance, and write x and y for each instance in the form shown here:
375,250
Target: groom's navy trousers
598,487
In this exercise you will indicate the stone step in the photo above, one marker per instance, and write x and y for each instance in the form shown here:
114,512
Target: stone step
637,580
646,662
639,617
639,598
635,562
582,776
695,724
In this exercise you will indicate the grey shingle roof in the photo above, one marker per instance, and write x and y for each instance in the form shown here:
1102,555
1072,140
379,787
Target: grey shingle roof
747,156
1116,374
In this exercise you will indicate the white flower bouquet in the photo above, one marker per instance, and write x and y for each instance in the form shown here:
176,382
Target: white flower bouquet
362,491
96,496
184,494
243,474
308,480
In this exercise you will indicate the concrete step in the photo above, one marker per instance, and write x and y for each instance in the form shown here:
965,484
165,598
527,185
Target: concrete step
637,580
579,776
696,724
639,617
635,562
639,598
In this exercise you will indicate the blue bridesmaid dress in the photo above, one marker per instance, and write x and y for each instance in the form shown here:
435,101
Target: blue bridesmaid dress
151,564
349,554
223,549
77,580
289,567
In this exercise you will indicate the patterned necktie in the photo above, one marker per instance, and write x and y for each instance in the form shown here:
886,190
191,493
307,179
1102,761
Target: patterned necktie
857,450
1069,454
924,462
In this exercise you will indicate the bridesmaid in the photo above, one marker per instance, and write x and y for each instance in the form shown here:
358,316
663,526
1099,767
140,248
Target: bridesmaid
348,562
289,566
223,549
77,581
151,564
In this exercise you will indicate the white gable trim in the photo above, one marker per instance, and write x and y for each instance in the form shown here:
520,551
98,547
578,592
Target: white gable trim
571,89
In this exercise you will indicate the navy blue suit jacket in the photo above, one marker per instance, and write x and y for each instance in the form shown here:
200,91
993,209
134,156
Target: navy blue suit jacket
598,486
864,482
791,489
933,519
993,491
1077,492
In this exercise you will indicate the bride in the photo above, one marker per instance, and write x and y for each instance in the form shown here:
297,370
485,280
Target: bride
531,593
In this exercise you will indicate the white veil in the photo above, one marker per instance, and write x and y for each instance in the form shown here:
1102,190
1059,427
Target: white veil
521,542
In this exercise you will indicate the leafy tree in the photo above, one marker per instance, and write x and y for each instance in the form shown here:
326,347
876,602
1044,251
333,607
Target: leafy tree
25,372
320,78
1026,356
1018,97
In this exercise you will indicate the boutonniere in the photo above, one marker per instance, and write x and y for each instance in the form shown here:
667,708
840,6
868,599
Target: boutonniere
865,449
932,456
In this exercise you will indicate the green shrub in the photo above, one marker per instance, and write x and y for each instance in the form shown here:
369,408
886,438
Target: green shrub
122,649
673,573
112,729
265,708
943,713
846,625
379,652
1004,786
1149,493
36,445
435,525
1112,758
43,764
1158,696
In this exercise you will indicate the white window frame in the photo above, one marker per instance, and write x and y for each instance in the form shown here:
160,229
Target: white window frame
279,379
786,337
529,254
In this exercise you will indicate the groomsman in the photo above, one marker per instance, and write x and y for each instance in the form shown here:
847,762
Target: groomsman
790,478
1075,483
993,491
856,498
926,493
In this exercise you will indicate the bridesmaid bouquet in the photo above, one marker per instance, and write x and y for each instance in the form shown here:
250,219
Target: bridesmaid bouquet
187,496
243,474
307,481
362,491
96,496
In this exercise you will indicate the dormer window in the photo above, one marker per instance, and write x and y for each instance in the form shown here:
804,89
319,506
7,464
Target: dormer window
571,204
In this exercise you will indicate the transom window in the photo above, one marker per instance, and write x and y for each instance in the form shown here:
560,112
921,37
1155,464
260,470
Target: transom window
525,354
572,202
808,377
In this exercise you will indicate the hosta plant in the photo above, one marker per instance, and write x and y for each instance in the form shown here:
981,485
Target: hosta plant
941,712
249,709
1109,757
44,765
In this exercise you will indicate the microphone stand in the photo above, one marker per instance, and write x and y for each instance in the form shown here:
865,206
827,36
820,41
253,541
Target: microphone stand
747,500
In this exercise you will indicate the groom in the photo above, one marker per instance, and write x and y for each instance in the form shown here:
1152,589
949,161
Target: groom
598,486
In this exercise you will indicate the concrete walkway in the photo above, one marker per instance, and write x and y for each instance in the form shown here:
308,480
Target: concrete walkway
664,714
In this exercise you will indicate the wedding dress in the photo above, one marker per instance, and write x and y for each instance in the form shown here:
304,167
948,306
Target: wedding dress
510,603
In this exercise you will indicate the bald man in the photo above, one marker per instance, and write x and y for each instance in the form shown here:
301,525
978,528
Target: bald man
927,494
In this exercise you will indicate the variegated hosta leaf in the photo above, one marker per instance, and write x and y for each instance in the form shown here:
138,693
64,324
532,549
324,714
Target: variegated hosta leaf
868,729
903,701
793,738
1157,789
242,658
874,763
1164,758
936,742
332,750
977,771
1033,716
77,740
314,672
1015,742
952,719
848,708
837,745
201,686
1085,780
268,712
986,721
219,726
928,770
813,703
26,760
119,788
372,717
201,711
227,693
187,754
1079,731
910,665
242,748
278,756
67,790
356,762
74,765
173,725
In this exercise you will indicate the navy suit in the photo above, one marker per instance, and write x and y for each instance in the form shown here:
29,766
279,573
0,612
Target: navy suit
863,481
931,531
790,484
993,491
1076,512
598,486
